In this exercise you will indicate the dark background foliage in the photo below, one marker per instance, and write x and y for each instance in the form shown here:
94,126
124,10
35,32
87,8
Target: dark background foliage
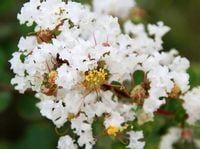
21,125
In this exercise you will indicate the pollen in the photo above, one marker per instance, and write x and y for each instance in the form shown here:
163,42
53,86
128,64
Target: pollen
112,131
71,116
95,78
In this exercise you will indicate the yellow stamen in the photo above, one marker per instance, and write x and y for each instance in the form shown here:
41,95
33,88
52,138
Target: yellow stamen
71,116
52,77
112,131
95,78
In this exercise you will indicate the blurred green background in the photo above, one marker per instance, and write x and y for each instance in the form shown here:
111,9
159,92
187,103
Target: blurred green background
22,127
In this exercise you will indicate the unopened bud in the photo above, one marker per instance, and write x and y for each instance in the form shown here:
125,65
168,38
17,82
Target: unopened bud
44,36
144,117
138,94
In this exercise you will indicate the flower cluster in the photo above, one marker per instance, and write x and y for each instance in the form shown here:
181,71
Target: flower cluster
78,62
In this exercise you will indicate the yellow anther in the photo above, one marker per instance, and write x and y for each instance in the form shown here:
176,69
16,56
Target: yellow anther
95,78
71,116
52,77
112,131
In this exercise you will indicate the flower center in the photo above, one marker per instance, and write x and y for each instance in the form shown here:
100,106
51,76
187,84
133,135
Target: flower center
95,78
112,131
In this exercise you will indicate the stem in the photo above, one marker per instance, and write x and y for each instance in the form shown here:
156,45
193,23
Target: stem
164,112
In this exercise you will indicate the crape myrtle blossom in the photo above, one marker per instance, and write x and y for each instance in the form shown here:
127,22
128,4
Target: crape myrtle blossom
135,142
66,142
176,135
169,139
77,62
191,105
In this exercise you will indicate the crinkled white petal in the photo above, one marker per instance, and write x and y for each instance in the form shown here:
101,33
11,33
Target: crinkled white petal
192,105
134,140
66,142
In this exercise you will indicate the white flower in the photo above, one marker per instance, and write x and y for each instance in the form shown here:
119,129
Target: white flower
21,83
192,105
136,30
114,120
119,8
160,84
146,43
29,12
179,67
17,65
158,30
77,12
80,124
52,11
86,139
27,44
176,135
152,104
167,141
127,111
73,101
95,109
66,142
67,77
180,64
134,140
54,110
82,128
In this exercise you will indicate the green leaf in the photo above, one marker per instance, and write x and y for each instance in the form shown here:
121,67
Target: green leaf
27,108
194,72
38,136
138,77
